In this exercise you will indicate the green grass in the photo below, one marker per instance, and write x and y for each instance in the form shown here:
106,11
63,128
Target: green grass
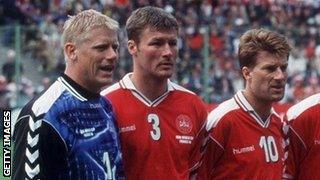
1,161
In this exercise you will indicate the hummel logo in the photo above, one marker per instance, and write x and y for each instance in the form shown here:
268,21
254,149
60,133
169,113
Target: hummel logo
128,128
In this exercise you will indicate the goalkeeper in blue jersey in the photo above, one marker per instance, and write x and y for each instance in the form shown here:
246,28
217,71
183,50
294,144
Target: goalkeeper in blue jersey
69,131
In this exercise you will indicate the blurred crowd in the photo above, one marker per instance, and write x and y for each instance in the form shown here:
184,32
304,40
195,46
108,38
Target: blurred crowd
219,23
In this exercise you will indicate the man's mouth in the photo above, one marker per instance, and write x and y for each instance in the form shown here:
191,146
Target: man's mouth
167,64
278,87
107,68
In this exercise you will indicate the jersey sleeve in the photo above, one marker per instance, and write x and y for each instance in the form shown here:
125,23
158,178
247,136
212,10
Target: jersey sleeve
215,147
296,150
35,150
200,139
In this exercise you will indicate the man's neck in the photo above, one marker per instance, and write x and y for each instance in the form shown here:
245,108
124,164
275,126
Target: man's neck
151,88
262,108
76,77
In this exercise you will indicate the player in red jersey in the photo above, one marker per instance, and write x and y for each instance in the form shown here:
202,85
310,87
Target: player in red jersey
303,160
162,125
245,140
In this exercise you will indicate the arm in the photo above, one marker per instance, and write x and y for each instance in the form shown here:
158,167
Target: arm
200,139
211,157
296,153
215,148
37,152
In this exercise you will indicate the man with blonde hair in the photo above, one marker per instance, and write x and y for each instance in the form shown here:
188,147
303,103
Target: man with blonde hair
69,132
245,132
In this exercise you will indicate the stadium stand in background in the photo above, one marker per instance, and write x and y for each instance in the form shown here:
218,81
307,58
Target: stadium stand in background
210,29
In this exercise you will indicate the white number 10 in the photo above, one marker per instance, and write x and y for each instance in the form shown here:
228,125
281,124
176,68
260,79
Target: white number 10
155,132
270,148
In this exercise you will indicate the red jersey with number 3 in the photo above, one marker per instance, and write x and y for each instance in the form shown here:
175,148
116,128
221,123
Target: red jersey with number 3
303,160
241,145
160,139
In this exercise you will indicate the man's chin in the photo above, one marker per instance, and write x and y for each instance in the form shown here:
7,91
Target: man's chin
165,75
277,98
105,82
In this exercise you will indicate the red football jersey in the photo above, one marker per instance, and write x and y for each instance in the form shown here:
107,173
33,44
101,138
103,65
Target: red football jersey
303,160
162,139
241,145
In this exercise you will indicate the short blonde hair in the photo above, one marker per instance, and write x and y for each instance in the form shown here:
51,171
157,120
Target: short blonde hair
76,27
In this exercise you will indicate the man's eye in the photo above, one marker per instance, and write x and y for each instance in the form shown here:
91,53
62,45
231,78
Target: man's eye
173,43
271,68
115,47
100,48
157,43
284,68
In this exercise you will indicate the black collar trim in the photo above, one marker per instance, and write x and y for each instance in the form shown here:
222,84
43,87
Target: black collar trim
81,90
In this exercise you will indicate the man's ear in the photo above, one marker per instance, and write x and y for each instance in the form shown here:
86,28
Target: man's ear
70,51
132,47
246,73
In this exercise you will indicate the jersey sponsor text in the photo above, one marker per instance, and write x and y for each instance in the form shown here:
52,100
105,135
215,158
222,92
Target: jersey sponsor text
243,150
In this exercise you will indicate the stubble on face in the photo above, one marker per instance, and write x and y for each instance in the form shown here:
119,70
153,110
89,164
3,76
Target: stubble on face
156,53
97,58
268,77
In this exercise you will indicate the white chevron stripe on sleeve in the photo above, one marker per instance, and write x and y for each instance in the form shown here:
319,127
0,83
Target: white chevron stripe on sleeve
287,142
286,155
285,129
33,141
34,125
32,157
31,172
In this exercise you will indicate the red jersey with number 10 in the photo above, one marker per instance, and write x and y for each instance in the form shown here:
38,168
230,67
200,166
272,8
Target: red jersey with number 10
241,145
160,139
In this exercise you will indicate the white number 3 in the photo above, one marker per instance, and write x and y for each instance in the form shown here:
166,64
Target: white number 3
155,132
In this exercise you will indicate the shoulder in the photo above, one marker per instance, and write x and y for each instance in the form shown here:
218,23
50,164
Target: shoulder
181,89
181,92
42,104
115,94
302,107
188,97
219,112
47,99
111,89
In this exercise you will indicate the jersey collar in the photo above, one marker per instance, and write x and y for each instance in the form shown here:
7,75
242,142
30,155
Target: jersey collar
76,89
126,83
246,106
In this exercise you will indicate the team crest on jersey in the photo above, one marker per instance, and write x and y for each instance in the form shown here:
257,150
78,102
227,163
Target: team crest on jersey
184,124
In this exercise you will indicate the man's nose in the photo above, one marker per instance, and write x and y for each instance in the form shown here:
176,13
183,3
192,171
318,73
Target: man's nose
168,50
112,54
280,74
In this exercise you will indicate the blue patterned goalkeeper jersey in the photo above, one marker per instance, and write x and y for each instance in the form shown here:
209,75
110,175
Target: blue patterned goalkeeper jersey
67,133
